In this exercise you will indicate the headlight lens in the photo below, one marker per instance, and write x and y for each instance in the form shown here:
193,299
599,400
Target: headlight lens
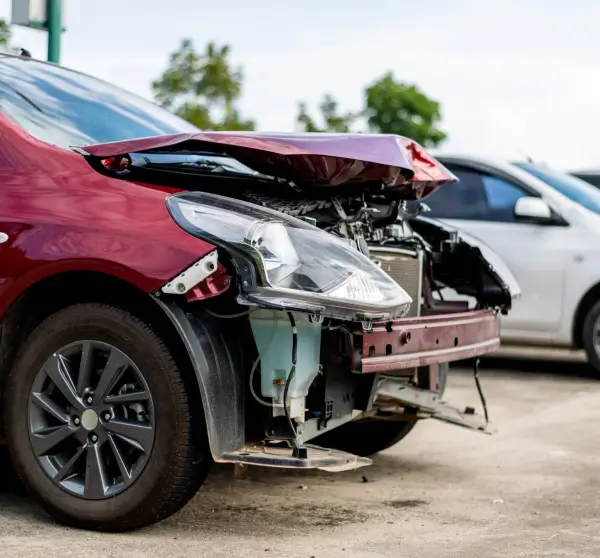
300,266
272,241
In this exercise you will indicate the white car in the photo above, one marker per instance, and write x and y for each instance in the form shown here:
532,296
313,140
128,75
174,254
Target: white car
546,226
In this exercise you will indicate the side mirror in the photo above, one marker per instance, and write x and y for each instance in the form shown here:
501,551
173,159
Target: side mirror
424,208
533,210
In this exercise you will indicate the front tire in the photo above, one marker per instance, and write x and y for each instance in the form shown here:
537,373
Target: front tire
370,436
100,421
591,337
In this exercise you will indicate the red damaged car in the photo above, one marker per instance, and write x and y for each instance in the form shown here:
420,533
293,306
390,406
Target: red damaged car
171,297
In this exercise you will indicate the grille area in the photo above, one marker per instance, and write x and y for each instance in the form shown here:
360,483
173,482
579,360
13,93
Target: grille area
405,267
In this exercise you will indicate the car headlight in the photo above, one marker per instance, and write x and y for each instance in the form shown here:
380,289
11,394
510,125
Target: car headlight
298,266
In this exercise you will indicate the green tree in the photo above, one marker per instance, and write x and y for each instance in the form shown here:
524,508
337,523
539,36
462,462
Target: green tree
393,107
332,120
5,33
202,87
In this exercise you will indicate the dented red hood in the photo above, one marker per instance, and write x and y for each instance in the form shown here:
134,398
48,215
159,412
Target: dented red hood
306,158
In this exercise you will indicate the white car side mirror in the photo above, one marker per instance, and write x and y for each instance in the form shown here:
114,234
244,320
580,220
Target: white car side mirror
533,209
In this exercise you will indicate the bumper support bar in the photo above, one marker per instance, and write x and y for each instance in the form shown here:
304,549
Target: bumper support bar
422,341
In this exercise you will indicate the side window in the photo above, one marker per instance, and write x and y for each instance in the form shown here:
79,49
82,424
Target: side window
463,200
477,196
501,196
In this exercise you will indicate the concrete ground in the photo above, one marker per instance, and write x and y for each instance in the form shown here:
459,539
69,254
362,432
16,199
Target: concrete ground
531,490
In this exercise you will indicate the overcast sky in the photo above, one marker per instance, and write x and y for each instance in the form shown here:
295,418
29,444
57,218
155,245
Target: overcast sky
514,77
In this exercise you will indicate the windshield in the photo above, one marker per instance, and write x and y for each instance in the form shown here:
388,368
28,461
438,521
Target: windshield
65,108
573,188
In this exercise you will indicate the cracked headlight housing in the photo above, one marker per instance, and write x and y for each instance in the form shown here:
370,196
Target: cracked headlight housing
297,266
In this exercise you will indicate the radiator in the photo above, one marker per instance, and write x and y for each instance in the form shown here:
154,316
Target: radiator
405,267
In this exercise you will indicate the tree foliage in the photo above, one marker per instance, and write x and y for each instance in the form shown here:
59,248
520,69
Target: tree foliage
332,120
202,88
5,33
392,107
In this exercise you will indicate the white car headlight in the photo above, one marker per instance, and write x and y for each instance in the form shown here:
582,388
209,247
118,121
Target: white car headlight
298,266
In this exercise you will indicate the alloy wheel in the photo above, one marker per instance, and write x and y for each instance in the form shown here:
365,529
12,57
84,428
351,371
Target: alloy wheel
91,419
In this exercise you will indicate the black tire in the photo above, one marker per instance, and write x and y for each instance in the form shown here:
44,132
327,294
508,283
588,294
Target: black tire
370,436
591,336
179,459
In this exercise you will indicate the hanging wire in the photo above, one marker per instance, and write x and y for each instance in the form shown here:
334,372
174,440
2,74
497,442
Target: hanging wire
228,316
481,396
252,390
292,372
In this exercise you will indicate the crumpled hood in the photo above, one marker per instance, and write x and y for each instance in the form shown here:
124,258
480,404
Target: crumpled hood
307,158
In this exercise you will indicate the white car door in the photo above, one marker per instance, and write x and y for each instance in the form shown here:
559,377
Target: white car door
482,204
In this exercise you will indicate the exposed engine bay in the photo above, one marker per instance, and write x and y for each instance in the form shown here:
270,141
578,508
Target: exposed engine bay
377,225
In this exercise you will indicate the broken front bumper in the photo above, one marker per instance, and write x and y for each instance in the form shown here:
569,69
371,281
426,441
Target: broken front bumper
421,341
395,348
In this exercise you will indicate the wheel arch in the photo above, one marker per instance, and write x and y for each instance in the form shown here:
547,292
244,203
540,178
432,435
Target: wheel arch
207,361
586,302
41,276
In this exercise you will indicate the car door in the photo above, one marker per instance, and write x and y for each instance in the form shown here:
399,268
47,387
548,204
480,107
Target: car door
482,204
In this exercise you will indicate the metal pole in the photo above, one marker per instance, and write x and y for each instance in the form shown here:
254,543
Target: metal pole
54,18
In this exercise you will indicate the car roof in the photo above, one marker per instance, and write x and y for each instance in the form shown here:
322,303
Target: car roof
491,163
497,162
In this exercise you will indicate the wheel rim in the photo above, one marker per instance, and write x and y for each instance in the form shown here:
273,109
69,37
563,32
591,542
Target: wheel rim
596,334
91,419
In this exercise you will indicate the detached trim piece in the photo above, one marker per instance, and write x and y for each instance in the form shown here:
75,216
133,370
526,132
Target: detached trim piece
427,340
428,404
317,457
193,275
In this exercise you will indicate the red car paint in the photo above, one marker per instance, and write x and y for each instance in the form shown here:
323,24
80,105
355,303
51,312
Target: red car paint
60,215
324,159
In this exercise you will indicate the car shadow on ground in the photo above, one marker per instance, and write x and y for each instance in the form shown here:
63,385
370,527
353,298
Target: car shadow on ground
14,499
250,504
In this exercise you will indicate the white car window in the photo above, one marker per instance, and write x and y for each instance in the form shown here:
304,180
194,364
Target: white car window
501,196
477,196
